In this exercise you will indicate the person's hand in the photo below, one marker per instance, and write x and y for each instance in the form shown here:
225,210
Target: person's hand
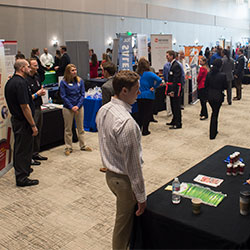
235,76
41,92
141,208
56,68
152,89
75,108
35,131
171,94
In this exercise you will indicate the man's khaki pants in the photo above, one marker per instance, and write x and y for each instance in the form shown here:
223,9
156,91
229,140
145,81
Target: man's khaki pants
125,209
68,116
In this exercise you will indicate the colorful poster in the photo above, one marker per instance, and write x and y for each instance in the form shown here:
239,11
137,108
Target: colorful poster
125,52
160,44
142,43
192,52
5,125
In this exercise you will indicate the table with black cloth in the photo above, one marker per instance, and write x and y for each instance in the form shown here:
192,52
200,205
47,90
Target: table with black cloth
169,226
53,129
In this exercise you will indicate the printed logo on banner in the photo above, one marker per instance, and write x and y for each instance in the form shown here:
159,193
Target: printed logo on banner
125,53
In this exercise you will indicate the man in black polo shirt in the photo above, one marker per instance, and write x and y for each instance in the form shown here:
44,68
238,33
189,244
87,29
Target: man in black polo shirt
34,82
19,101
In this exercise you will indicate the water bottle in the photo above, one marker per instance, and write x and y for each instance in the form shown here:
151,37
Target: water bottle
88,76
176,187
50,100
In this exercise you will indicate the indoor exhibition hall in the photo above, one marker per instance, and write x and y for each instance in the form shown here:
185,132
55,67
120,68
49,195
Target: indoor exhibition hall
124,124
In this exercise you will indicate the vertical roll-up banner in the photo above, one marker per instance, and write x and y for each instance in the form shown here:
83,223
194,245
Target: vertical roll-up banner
142,43
125,52
6,138
160,44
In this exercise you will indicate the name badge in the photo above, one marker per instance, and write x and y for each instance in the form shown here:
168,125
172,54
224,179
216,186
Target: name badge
70,84
170,73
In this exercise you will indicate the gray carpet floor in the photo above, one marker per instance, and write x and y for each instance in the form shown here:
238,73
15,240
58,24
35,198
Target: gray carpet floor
72,207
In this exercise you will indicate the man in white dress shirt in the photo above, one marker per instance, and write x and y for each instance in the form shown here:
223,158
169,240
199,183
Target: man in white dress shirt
47,59
121,153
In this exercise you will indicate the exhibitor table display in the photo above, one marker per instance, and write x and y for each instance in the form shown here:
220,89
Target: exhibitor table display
50,78
165,225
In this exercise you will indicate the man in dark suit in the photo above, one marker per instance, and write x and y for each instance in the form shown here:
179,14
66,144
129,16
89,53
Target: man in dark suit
64,61
173,89
238,74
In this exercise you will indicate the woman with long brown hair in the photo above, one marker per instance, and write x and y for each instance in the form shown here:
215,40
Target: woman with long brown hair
149,81
93,66
72,91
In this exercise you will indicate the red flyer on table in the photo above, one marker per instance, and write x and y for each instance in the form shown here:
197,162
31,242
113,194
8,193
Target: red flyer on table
210,181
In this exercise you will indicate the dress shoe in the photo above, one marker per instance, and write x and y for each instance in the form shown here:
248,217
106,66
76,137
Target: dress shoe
170,123
203,118
236,99
104,170
230,103
175,127
27,182
146,133
38,157
86,148
153,120
35,163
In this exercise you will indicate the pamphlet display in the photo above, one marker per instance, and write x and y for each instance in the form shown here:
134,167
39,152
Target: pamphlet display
207,180
208,196
160,44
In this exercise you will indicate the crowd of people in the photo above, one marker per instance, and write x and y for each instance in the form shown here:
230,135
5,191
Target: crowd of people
119,133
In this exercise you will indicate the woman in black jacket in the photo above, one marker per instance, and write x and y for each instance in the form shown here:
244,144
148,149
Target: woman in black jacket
215,84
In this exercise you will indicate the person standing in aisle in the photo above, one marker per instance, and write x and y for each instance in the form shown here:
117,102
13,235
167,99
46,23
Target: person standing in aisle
228,68
149,81
35,53
19,101
64,61
238,74
72,91
34,82
173,89
215,84
204,69
120,147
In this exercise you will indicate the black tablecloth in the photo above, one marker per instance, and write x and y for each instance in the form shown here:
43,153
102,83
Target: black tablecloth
53,129
168,226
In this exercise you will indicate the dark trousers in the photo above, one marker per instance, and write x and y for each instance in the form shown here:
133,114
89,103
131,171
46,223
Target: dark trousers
176,110
38,118
229,92
214,119
23,148
203,100
145,111
238,83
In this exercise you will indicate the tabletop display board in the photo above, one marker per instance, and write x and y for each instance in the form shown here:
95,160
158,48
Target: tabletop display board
160,44
6,138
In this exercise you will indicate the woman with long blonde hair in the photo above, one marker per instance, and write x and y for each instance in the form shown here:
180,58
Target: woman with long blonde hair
72,91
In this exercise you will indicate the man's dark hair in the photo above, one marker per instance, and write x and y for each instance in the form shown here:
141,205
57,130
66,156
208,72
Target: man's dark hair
124,78
110,67
64,48
20,56
241,50
171,53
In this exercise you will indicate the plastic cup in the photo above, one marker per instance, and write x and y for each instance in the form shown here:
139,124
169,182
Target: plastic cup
196,205
244,202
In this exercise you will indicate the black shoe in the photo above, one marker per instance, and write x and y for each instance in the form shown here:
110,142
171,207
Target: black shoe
175,127
27,182
203,118
170,123
146,133
182,107
38,157
153,120
31,170
230,103
35,163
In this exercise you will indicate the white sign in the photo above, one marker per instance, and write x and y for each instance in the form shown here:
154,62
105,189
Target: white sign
142,44
160,44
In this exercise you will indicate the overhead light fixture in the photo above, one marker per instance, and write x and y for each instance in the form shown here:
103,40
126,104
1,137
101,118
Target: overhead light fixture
196,42
110,41
54,42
